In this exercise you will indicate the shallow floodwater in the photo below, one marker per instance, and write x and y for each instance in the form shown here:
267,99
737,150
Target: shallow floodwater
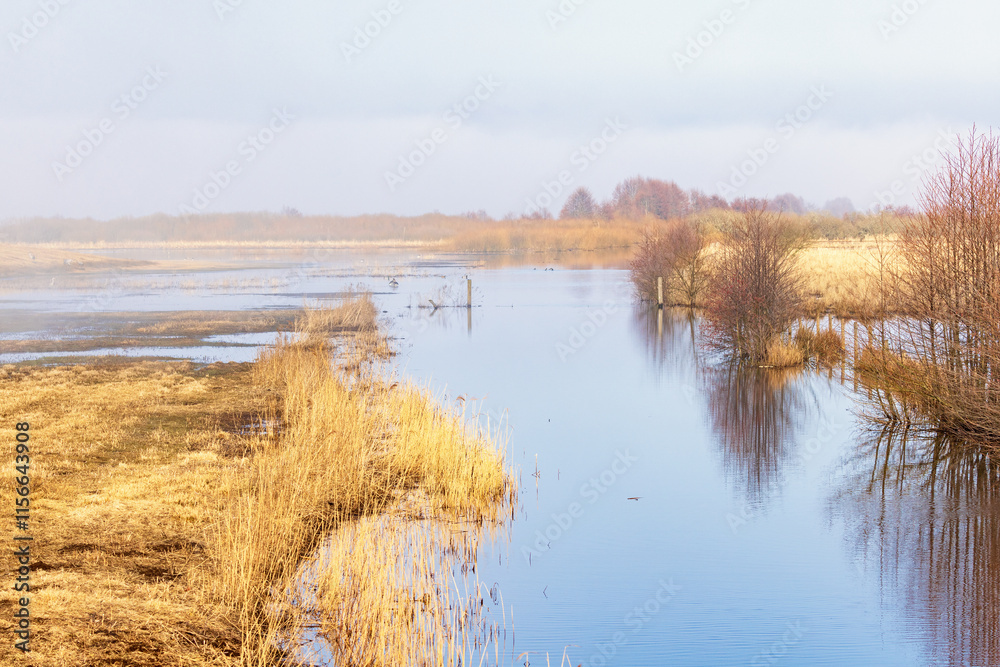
768,528
674,509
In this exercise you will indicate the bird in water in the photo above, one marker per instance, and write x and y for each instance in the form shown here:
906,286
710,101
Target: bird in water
393,282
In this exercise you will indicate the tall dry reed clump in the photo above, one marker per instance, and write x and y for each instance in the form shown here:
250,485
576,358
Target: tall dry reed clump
754,293
676,253
342,446
941,364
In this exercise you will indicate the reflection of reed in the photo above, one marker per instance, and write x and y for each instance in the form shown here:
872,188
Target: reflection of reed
752,413
401,591
927,512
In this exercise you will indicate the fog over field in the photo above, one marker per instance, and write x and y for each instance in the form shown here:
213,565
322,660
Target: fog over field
111,108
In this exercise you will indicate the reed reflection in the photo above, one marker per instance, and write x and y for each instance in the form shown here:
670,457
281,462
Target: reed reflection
923,510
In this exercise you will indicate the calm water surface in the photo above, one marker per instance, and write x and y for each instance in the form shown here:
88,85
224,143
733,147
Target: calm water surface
771,528
760,535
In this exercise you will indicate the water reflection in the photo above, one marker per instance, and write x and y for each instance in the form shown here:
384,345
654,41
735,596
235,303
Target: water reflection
669,335
923,512
753,413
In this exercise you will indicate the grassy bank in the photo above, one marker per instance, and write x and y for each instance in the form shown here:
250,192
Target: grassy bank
167,525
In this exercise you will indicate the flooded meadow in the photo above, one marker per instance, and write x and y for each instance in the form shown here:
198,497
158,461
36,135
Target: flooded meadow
674,508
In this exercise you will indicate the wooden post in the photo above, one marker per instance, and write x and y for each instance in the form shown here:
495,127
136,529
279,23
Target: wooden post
855,342
854,362
469,292
659,292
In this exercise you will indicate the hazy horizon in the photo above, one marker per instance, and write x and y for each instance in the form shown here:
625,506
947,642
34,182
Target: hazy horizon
111,111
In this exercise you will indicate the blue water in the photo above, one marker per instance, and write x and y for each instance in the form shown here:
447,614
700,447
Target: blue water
757,537
730,556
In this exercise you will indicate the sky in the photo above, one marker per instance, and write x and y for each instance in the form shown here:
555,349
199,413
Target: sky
127,108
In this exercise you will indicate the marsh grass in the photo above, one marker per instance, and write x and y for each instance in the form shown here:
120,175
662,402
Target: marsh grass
519,236
175,504
782,354
351,445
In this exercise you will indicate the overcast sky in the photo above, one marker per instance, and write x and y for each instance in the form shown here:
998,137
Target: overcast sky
111,108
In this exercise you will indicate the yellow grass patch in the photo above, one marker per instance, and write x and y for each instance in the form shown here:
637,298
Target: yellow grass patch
166,530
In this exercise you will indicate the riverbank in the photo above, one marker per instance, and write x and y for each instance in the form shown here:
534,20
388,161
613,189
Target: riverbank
170,500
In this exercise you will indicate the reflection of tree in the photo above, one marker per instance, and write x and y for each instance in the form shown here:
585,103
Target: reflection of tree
925,510
753,412
668,334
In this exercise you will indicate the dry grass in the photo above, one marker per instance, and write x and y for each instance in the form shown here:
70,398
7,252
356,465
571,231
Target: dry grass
545,235
166,532
781,354
350,446
838,277
125,460
827,347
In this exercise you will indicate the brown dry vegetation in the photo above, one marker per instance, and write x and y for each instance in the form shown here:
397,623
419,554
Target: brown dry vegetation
939,365
754,292
517,236
171,502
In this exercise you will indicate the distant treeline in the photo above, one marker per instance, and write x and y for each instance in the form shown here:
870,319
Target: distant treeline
233,227
637,199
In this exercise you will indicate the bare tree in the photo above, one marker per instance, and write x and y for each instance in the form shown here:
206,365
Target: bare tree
580,205
754,293
942,363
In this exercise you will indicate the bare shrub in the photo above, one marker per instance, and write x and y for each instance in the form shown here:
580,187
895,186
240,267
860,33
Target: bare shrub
754,293
943,361
676,253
